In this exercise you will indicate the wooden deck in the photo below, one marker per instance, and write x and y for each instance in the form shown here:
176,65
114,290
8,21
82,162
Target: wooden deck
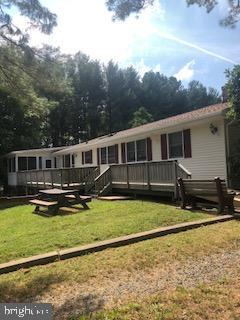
145,177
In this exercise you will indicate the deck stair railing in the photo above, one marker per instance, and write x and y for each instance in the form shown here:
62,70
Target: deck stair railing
90,180
103,183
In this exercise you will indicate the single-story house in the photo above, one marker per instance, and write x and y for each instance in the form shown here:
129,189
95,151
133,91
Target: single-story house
201,141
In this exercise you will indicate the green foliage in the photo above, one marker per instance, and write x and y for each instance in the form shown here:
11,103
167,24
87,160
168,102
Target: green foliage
123,8
140,117
233,90
200,96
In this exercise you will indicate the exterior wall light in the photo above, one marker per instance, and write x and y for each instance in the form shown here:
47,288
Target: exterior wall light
213,128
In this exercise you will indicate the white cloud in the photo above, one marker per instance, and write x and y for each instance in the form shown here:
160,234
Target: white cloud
87,26
186,72
142,68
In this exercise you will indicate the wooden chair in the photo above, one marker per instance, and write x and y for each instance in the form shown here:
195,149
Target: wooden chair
213,192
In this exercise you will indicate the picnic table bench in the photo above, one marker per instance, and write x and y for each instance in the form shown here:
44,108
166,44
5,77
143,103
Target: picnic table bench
54,199
214,192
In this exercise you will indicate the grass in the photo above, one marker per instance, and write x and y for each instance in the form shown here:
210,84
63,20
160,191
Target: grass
22,286
23,234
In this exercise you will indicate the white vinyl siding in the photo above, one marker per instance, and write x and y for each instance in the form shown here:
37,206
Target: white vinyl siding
208,151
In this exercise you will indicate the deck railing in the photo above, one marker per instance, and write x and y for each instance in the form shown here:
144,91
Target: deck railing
149,175
54,177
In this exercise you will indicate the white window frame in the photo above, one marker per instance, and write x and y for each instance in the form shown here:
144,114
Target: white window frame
135,151
175,158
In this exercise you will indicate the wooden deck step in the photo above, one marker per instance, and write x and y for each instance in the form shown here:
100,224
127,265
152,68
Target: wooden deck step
69,210
86,198
115,198
43,203
237,201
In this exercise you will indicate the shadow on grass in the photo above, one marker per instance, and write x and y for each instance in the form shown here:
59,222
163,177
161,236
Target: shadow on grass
13,291
11,204
81,305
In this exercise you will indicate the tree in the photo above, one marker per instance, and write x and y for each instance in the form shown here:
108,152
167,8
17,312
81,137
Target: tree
122,96
233,90
123,8
162,96
140,117
199,96
39,18
89,93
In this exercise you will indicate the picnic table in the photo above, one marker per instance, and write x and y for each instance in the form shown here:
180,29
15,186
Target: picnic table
54,199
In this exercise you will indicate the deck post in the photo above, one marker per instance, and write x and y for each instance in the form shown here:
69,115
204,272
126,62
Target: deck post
37,178
127,177
68,175
175,179
61,176
51,177
148,177
44,181
26,182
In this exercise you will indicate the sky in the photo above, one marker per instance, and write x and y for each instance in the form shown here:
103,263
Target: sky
168,37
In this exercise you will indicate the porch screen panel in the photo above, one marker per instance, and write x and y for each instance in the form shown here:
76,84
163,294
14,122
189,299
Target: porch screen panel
32,163
22,163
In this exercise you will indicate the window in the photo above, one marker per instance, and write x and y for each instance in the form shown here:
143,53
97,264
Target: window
48,164
141,150
131,152
103,155
88,156
55,162
11,165
66,163
27,163
22,163
40,163
175,145
32,163
111,154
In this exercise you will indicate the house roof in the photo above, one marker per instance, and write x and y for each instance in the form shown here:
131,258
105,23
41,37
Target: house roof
33,151
199,114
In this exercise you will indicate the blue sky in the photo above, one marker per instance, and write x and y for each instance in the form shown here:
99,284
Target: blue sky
168,37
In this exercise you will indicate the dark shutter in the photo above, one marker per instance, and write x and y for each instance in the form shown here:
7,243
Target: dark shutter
187,143
164,146
90,156
149,149
116,153
83,159
98,156
123,150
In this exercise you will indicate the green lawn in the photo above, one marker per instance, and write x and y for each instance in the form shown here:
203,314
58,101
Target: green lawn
23,233
218,300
